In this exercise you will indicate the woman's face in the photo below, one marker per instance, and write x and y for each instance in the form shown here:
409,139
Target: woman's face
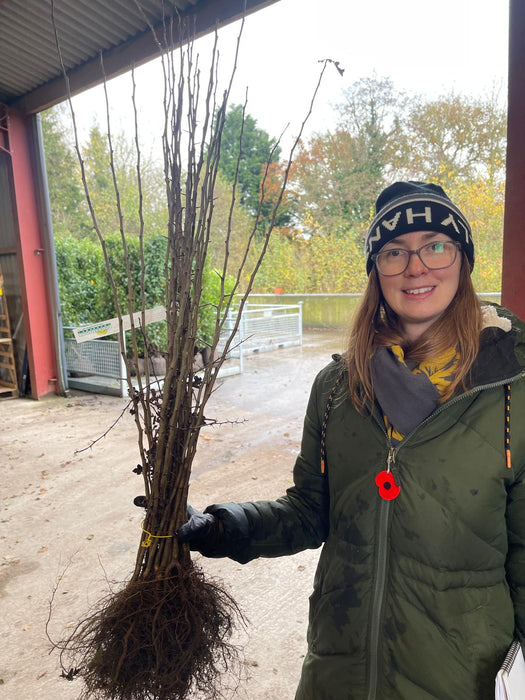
419,296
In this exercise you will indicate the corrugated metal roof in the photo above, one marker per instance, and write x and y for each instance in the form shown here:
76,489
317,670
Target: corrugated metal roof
30,71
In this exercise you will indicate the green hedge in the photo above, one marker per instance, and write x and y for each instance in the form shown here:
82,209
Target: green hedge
85,290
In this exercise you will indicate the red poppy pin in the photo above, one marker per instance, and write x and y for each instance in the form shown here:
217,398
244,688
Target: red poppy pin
386,484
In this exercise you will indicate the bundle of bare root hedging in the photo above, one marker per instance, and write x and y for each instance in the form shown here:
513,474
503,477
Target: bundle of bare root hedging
156,638
166,633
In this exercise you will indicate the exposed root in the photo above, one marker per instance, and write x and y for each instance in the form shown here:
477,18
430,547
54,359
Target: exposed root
160,639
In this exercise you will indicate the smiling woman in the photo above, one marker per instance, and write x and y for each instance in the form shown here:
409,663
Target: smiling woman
419,283
415,276
405,476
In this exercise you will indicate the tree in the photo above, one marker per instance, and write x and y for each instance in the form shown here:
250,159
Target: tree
337,175
99,175
372,114
232,226
246,152
384,135
327,184
68,207
329,263
453,137
482,201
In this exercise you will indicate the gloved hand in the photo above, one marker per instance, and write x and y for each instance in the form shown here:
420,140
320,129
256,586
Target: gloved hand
202,532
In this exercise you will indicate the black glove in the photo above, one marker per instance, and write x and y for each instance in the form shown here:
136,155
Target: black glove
202,532
223,530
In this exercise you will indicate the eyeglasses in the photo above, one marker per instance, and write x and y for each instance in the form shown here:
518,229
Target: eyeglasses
435,256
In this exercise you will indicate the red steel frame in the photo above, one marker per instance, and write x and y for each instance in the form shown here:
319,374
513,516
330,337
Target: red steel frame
513,275
38,327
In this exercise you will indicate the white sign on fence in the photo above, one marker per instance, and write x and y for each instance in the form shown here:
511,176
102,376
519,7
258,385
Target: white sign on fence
111,326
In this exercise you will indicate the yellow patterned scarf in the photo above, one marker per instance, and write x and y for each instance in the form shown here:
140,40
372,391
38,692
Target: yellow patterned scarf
407,395
440,370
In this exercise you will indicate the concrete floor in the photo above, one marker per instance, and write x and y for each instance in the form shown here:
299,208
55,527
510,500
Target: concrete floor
68,517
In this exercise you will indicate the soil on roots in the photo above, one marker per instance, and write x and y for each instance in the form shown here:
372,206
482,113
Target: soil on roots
158,639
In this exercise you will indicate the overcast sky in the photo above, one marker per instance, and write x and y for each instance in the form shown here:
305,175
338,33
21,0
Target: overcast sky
424,47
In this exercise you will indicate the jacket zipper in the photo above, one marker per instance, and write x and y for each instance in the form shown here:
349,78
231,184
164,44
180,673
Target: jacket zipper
379,589
385,507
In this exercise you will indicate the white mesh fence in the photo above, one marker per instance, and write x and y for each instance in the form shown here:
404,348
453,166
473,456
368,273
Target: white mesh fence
100,357
262,328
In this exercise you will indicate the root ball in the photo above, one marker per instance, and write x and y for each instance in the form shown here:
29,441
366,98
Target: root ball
159,639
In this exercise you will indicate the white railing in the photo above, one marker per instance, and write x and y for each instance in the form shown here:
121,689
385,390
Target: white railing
97,365
266,327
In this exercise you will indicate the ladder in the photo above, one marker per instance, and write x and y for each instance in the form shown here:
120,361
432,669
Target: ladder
8,382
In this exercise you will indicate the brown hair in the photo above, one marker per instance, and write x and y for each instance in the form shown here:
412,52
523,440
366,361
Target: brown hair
376,324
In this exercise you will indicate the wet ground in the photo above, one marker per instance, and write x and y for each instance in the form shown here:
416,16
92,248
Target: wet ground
68,517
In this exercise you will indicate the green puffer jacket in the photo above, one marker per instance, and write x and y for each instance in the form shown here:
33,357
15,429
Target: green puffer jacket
416,598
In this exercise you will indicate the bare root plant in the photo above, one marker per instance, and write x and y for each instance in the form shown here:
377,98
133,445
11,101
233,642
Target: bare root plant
166,633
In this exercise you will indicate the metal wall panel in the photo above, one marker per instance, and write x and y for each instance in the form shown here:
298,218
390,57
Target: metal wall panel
31,75
28,53
7,224
10,268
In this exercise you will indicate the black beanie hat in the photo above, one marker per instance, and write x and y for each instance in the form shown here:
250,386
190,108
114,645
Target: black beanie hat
405,207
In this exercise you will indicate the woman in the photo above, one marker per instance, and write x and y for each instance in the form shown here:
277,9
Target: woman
408,475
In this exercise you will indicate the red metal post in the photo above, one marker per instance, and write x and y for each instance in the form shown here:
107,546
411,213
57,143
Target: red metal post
38,326
513,282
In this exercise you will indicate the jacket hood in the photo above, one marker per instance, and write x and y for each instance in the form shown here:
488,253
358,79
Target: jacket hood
501,354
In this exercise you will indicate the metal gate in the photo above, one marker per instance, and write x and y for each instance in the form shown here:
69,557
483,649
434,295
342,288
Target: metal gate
266,327
97,365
